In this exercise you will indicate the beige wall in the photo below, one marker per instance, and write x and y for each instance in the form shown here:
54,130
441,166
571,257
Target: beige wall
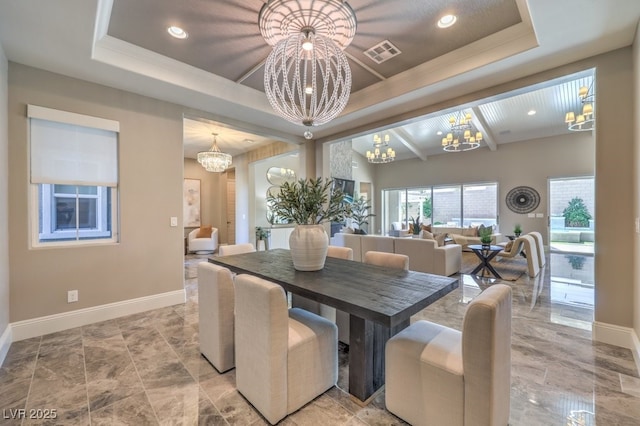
528,163
4,190
148,260
614,258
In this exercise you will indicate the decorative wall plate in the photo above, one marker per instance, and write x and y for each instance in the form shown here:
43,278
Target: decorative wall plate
523,199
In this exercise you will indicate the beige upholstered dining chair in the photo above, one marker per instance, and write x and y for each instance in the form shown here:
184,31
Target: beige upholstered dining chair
216,319
340,252
389,260
232,249
284,357
436,375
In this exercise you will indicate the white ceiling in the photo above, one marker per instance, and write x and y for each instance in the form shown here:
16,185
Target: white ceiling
74,38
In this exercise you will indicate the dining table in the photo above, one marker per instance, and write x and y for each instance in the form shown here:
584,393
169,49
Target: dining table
380,302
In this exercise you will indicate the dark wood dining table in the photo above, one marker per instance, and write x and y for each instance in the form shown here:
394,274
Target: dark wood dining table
379,301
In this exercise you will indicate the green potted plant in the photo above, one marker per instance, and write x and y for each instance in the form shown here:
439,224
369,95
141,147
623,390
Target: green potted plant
485,236
263,235
308,203
517,230
360,214
415,225
576,214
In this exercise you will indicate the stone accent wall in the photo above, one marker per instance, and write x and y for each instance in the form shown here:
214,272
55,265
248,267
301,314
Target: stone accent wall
340,160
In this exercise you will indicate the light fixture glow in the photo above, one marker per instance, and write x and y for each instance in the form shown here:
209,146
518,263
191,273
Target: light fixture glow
446,21
177,32
532,112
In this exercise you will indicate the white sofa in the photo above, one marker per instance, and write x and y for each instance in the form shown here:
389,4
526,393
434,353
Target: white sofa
424,255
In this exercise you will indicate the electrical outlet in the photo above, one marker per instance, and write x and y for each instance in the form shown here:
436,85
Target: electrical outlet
72,296
174,221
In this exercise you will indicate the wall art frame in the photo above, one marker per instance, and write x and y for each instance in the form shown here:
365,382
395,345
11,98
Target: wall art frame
191,203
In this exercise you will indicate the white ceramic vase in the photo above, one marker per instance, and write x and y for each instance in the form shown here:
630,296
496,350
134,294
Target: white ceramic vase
308,244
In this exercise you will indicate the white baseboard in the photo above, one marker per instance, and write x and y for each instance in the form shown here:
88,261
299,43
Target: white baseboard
52,323
613,334
5,342
636,349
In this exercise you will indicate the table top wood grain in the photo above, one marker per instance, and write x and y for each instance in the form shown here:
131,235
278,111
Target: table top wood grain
383,295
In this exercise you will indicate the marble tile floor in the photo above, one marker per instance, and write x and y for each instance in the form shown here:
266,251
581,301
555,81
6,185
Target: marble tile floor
147,369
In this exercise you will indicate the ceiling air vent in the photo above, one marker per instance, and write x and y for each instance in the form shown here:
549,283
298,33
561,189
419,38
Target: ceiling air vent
382,52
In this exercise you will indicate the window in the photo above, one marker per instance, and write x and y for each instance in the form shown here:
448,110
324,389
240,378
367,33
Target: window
447,205
70,212
74,179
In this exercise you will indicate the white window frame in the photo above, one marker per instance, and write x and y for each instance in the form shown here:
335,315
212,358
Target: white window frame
49,233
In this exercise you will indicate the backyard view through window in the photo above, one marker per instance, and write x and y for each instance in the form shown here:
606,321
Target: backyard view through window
447,205
572,214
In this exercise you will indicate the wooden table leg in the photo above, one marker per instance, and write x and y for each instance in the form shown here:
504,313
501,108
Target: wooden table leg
367,342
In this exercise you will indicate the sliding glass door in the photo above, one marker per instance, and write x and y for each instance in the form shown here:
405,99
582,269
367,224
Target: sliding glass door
572,214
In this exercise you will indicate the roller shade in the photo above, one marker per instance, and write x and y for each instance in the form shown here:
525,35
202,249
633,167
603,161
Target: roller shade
67,151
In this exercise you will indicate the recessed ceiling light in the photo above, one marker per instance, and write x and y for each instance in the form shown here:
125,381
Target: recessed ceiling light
177,32
447,20
439,132
532,112
249,141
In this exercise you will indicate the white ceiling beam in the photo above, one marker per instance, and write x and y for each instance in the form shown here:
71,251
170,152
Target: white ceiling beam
406,140
483,127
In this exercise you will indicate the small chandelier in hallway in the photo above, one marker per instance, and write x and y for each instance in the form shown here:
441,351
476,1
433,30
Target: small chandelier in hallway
214,160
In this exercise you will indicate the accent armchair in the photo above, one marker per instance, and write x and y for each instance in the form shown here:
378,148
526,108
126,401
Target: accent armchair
199,242
526,244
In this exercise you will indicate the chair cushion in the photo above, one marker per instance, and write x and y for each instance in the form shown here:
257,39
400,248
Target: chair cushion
205,232
440,239
427,235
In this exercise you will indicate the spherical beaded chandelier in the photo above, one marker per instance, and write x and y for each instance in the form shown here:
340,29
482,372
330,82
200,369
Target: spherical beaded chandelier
307,79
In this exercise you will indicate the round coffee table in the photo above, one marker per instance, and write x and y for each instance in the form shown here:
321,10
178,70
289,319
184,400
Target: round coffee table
485,254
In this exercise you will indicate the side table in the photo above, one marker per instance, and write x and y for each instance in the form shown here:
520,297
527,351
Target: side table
485,255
